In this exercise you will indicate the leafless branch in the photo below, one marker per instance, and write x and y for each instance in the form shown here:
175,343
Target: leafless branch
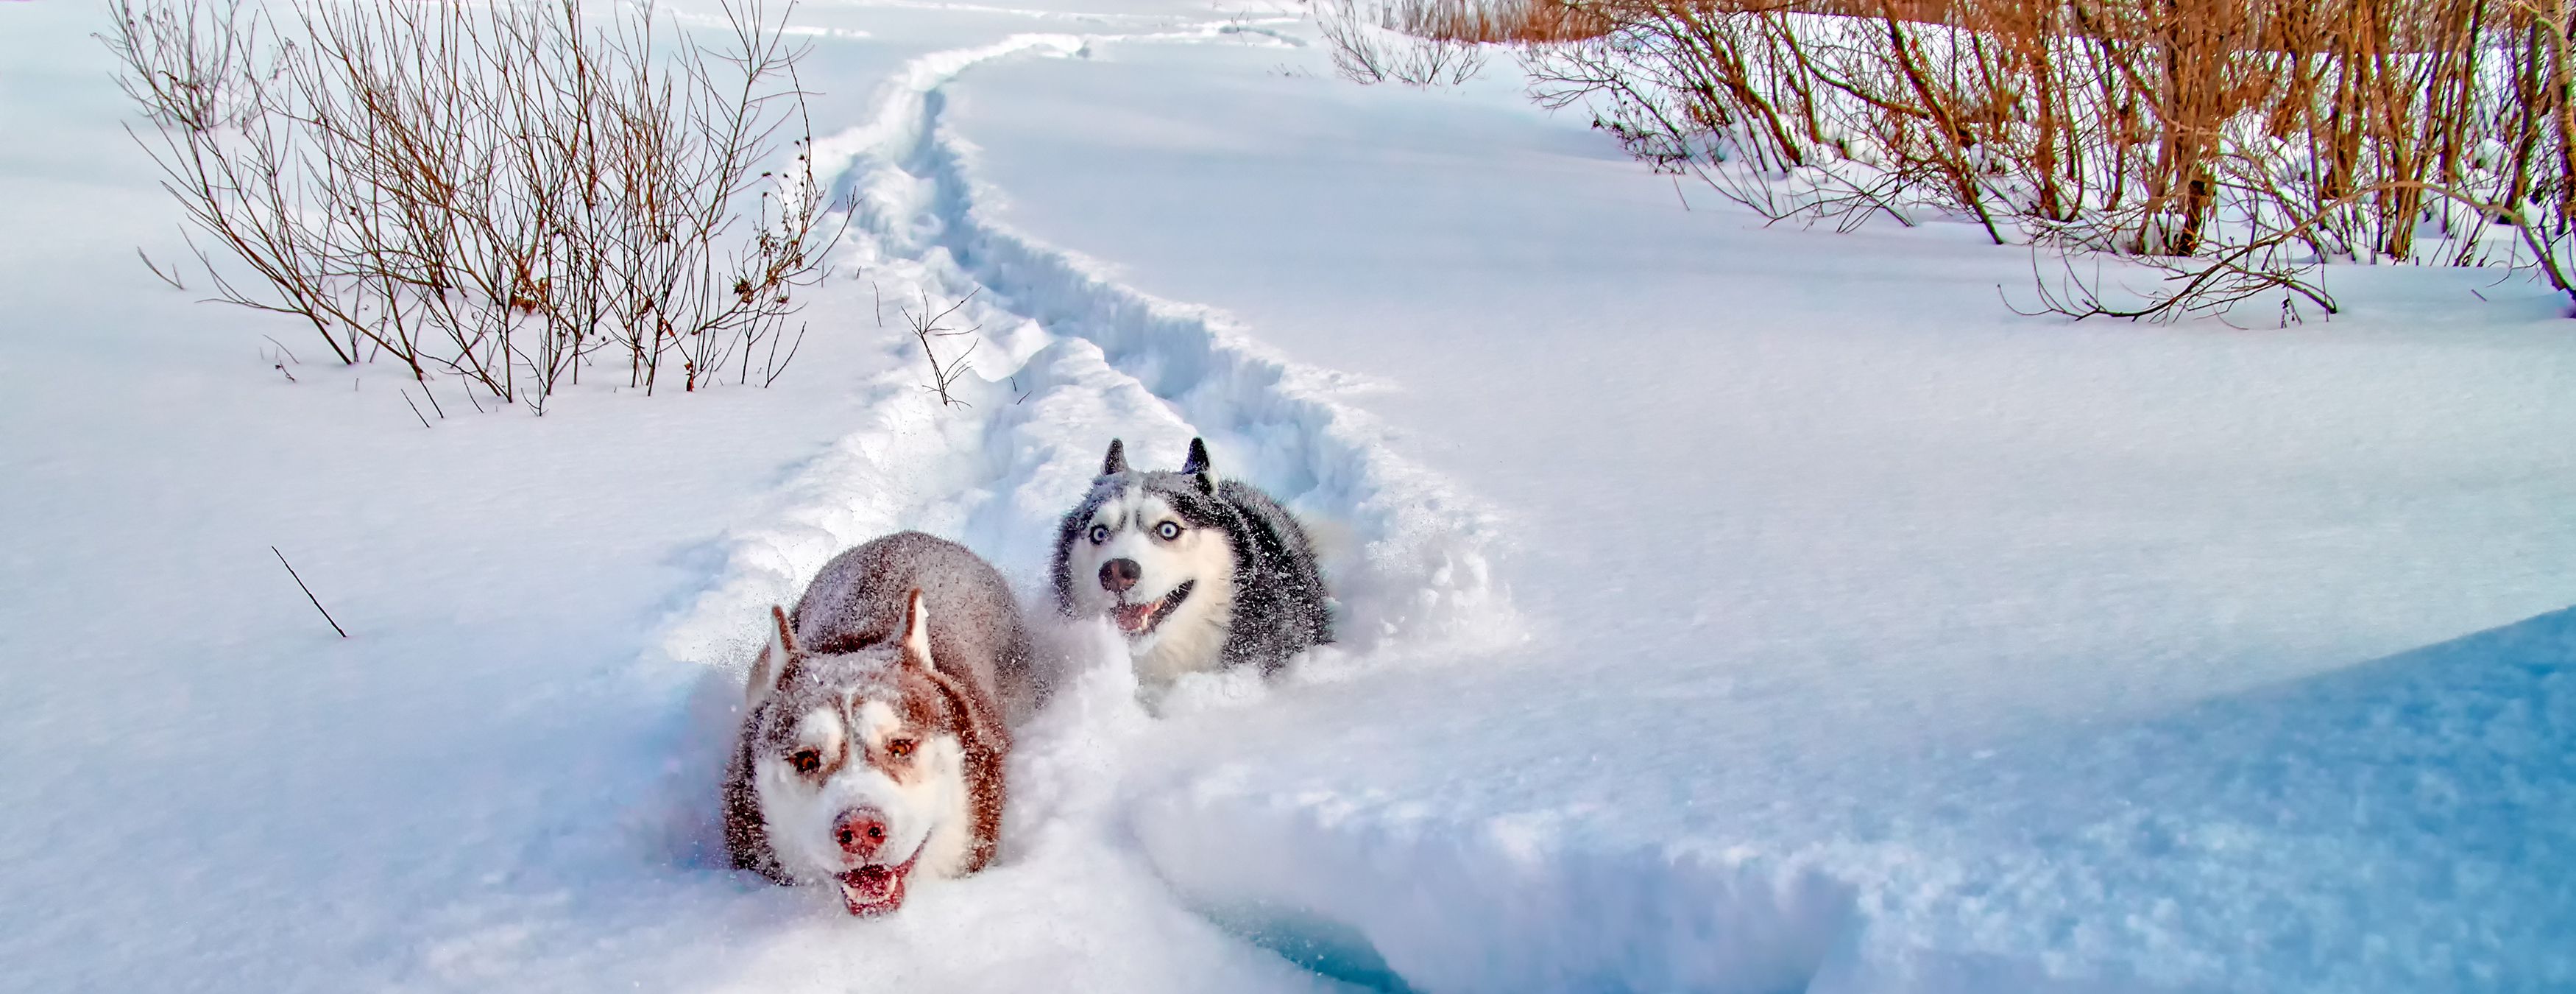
156,271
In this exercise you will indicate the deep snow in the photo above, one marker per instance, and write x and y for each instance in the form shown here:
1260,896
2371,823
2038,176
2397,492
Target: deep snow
1724,608
1838,569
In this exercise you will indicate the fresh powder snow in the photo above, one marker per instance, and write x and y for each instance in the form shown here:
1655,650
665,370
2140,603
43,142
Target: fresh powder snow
1722,606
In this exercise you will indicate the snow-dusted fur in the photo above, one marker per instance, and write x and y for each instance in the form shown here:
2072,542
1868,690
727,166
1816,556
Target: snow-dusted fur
873,739
1197,574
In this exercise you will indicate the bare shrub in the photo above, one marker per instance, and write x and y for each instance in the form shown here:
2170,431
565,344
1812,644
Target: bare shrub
511,193
194,66
1370,45
1495,22
1442,42
2234,146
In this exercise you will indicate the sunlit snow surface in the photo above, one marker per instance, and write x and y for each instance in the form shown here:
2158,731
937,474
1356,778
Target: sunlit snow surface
1724,608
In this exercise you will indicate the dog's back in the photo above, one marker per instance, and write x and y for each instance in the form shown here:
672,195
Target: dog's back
1280,599
976,636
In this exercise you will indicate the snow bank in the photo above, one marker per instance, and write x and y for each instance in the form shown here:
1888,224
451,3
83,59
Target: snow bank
1373,889
1861,607
2393,826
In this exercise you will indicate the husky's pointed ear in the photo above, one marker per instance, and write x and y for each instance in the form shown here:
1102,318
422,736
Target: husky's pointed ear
772,662
1116,463
916,631
1197,465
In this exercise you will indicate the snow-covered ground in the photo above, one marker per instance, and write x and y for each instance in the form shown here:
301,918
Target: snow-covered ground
1724,608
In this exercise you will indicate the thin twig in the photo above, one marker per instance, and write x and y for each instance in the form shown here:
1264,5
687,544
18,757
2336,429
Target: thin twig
925,328
415,408
156,271
308,592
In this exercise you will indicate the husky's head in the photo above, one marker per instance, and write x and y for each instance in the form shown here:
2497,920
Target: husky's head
1151,550
858,762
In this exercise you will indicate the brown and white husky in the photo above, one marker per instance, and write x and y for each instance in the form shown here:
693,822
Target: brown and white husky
875,724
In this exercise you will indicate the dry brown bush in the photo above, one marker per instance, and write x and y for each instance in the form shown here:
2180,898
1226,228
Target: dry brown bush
1371,44
1441,42
511,193
2233,145
1499,22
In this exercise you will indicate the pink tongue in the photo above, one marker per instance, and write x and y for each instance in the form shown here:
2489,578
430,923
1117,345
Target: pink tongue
872,890
1132,617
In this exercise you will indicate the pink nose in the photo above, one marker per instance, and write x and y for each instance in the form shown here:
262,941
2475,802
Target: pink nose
860,831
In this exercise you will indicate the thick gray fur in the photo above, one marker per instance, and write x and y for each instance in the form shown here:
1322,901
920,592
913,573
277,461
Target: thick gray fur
1281,606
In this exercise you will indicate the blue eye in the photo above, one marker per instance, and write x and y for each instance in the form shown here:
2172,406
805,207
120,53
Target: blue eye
1099,534
1168,530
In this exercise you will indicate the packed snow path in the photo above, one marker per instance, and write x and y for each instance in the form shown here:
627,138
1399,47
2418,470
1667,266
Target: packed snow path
1061,353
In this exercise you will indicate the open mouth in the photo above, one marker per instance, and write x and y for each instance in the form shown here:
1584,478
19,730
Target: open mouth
1141,619
875,889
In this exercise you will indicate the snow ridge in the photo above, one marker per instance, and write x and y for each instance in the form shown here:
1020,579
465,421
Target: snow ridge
1366,888
1422,572
1086,358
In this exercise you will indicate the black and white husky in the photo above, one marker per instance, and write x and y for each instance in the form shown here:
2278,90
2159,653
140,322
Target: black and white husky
1197,574
874,729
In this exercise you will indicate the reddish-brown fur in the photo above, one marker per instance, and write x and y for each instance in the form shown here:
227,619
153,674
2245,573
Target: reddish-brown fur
951,693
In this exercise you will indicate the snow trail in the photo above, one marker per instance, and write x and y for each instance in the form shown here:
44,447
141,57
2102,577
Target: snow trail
1066,358
1081,359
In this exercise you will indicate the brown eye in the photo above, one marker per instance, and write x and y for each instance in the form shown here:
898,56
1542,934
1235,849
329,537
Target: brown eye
899,748
806,760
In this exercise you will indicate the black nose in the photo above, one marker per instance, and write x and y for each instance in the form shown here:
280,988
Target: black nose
1117,575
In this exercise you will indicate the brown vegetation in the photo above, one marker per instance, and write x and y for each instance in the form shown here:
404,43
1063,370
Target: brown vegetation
1500,23
508,193
2234,145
